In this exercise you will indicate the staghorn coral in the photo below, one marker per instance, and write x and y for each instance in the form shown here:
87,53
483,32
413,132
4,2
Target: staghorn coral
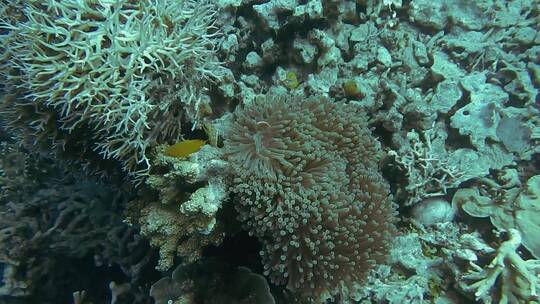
130,72
308,187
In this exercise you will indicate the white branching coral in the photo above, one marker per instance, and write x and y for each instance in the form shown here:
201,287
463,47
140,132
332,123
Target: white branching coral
518,280
132,71
428,174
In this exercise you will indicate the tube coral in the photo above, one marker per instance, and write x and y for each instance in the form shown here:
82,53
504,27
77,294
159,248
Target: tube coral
308,187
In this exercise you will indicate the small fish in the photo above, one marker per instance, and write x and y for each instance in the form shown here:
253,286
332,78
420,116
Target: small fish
291,80
184,148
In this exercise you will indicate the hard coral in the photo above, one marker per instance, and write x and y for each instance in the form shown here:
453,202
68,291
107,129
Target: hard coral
428,174
518,279
178,205
507,203
131,71
309,189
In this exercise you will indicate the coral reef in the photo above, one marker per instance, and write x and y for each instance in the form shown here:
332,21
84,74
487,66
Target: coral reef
428,174
422,264
308,188
508,204
269,140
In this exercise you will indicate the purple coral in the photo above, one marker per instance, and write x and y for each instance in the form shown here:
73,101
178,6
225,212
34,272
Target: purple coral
309,189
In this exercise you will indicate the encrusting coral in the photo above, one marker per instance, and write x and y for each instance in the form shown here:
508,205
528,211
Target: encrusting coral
130,72
308,187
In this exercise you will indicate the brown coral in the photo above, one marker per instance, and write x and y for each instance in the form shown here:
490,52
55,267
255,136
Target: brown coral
309,189
177,207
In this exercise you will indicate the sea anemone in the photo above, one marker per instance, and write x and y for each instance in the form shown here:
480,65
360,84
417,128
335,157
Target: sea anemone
308,187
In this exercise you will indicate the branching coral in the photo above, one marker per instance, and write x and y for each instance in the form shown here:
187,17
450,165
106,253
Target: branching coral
519,280
177,212
428,175
55,223
309,189
132,71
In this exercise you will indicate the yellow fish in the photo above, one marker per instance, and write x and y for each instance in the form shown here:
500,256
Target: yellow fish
184,148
